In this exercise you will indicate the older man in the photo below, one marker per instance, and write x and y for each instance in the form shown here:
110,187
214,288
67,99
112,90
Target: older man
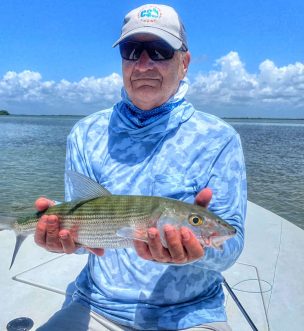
153,142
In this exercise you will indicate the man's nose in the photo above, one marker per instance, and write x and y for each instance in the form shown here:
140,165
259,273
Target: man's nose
144,62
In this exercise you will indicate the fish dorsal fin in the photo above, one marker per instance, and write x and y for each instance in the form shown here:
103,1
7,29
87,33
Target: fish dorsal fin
19,240
83,187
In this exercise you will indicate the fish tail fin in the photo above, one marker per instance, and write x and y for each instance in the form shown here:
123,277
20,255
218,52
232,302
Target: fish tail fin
7,222
19,240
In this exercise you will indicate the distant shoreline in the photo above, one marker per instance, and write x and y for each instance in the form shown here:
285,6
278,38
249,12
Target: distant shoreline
264,118
224,118
46,115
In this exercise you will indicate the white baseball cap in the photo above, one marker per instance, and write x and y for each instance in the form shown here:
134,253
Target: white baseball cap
159,20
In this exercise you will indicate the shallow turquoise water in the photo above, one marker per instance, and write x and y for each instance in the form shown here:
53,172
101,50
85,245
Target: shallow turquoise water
32,152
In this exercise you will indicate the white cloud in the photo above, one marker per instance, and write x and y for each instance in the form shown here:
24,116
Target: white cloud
88,90
229,89
285,84
27,90
231,86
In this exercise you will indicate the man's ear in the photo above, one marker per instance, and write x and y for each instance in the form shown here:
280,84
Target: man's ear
186,57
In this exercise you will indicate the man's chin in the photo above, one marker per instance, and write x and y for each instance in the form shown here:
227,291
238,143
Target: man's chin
146,91
146,99
146,87
146,83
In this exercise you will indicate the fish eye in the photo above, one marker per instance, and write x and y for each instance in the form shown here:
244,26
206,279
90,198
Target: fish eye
195,220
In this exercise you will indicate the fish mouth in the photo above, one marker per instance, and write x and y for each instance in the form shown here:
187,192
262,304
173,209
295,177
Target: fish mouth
216,241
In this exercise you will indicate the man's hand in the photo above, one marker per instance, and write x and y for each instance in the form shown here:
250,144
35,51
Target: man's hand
49,235
183,246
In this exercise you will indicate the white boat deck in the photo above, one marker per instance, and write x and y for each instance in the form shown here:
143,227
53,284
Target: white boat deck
267,279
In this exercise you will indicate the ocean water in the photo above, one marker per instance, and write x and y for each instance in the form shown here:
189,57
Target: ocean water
32,152
274,156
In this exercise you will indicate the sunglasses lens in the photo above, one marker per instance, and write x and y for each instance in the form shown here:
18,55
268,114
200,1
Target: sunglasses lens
130,50
157,50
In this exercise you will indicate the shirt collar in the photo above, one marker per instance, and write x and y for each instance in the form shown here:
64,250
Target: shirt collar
139,123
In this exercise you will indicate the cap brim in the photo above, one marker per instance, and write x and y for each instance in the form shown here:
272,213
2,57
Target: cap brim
164,35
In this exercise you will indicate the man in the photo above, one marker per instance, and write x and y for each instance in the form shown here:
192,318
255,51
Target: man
153,142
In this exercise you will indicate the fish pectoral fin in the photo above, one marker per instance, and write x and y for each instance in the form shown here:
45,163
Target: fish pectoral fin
132,233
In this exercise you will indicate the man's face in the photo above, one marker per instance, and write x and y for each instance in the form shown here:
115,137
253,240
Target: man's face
150,83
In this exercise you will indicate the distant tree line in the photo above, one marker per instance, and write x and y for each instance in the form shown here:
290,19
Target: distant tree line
4,112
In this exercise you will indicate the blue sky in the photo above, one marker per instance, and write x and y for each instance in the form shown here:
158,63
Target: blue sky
247,56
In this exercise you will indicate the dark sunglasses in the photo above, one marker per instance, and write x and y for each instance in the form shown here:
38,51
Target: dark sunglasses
158,50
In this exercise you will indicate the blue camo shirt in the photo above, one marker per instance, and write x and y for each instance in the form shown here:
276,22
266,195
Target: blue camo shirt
172,151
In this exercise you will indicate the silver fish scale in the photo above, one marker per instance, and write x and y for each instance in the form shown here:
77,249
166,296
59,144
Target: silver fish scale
99,231
29,226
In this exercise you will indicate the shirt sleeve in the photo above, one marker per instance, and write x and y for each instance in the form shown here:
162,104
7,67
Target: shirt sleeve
227,179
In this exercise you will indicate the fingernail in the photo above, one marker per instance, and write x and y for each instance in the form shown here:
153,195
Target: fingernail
44,218
169,231
63,236
51,222
185,234
151,235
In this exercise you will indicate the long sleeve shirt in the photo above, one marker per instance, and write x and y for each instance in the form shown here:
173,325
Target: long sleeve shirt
171,151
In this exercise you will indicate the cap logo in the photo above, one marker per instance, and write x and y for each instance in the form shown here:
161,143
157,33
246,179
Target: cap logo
150,14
